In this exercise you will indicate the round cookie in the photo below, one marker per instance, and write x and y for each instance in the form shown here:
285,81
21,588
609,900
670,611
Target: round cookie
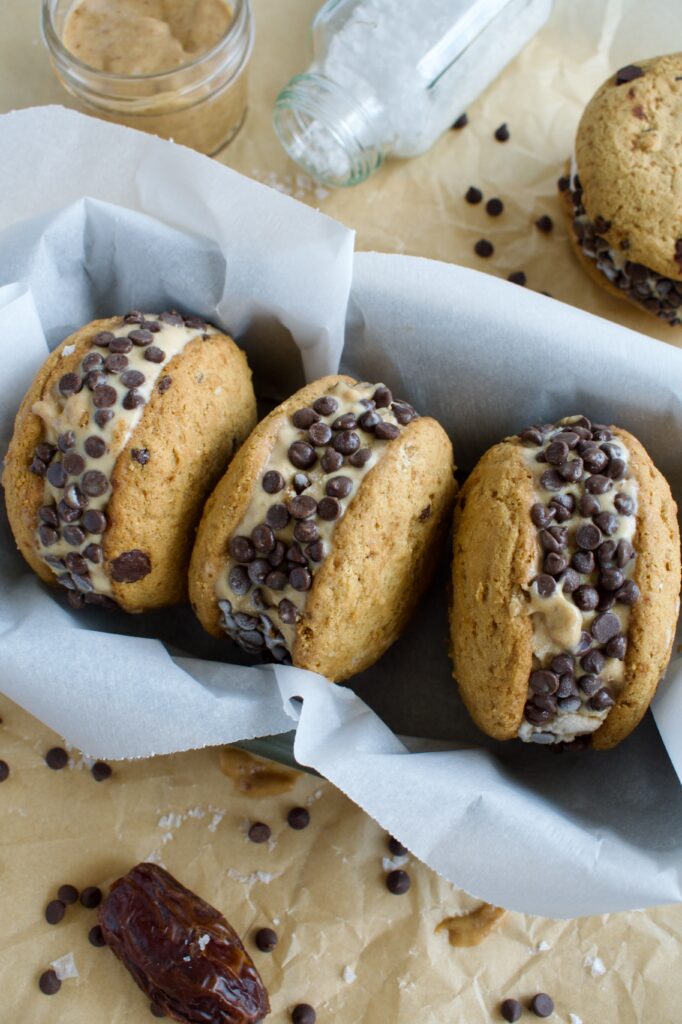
125,429
621,197
566,584
358,520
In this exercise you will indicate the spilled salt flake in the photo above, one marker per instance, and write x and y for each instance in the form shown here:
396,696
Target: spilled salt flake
203,942
65,967
68,350
349,975
595,966
391,863
255,876
574,1018
215,821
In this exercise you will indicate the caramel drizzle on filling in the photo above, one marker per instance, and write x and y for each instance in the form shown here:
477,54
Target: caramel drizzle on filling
580,599
286,533
88,420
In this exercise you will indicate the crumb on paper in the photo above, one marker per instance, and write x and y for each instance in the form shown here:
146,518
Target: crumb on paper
391,863
203,942
595,965
68,350
255,876
349,975
65,967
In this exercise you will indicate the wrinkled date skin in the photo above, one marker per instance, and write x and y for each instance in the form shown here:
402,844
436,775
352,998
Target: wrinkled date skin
157,928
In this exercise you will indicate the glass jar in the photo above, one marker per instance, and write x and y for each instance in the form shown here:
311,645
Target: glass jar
389,77
201,103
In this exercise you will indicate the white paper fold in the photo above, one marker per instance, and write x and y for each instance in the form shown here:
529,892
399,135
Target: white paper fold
556,835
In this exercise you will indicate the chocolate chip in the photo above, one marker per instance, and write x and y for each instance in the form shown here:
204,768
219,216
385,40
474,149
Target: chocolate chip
554,564
346,422
319,433
544,224
611,579
628,74
54,911
154,354
624,504
67,893
112,364
398,882
572,471
593,661
494,207
276,580
94,521
48,515
461,122
616,648
554,539
570,581
259,832
562,663
103,416
302,506
316,551
339,487
601,700
396,848
329,509
586,598
551,480
288,612
56,474
132,379
606,601
598,484
273,481
66,441
303,1014
76,564
132,400
4,771
48,983
628,594
265,939
131,566
300,579
120,346
276,517
473,195
605,627
544,682
346,442
386,431
606,554
56,758
517,277
326,405
302,455
101,771
104,396
532,435
94,554
305,531
588,537
484,248
96,936
276,556
542,515
68,514
511,1010
301,482
545,584
140,337
48,535
304,418
360,458
164,384
195,323
95,446
171,317
594,460
257,571
70,384
263,538
295,556
103,339
298,818
502,133
91,897
94,483
568,687
133,316
37,467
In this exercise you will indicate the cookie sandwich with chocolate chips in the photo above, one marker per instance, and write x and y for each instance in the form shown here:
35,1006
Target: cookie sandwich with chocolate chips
325,530
566,580
619,197
124,431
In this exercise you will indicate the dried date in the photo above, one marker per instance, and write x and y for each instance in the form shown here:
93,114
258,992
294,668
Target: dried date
181,951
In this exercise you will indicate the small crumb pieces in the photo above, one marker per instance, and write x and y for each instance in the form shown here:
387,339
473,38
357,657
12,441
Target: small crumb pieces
349,975
502,133
65,967
595,966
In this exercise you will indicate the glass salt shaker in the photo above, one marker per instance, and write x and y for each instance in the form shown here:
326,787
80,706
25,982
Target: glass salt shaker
390,76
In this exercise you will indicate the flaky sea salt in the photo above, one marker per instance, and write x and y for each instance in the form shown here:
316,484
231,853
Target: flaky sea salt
255,876
391,863
65,967
595,966
574,1018
349,975
68,350
203,942
215,820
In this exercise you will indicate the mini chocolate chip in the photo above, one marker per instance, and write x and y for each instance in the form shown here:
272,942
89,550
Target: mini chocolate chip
154,354
544,682
605,627
567,687
461,122
551,480
67,893
131,566
511,1010
595,460
305,531
96,936
473,195
295,556
303,1013
360,458
628,594
517,277
112,364
259,832
273,481
616,648
258,571
302,455
398,882
369,420
304,418
70,384
66,441
339,487
606,554
37,467
616,469
103,416
54,911
544,224
300,579
95,446
277,517
542,515
56,758
263,539
241,549
48,983
316,551
73,463
628,74
94,521
532,435
396,847
139,337
586,598
94,483
572,471
101,771
570,581
140,455
56,474
607,522
132,400
287,611
494,207
611,579
298,818
554,539
276,580
48,535
329,509
94,554
386,431
47,514
164,384
502,133
601,700
103,339
545,584
556,453
133,316
266,939
326,405
598,484
562,663
276,556
346,422
331,461
593,661
588,537
302,506
104,396
91,897
606,601
624,504
120,346
484,248
346,442
68,514
132,379
319,433
554,564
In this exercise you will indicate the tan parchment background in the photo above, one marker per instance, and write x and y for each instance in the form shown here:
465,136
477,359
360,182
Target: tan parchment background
360,955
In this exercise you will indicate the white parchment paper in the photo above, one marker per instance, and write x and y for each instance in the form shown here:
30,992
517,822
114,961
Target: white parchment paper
516,825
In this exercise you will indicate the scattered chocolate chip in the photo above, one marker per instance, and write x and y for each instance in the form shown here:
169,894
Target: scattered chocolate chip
259,832
551,480
91,897
54,911
339,487
628,74
544,224
502,133
95,447
598,484
103,416
304,418
605,627
48,983
164,384
303,1014
94,521
586,598
4,771
130,566
546,585
132,400
56,758
140,337
302,455
317,551
56,474
360,458
70,384
494,207
132,379
120,346
48,535
326,405
266,939
154,354
288,612
396,848
329,509
302,506
544,682
37,467
624,504
398,882
104,396
588,537
484,248
273,482
101,771
473,195
629,593
298,818
616,648
305,531
67,893
258,571
601,700
461,122
103,339
386,431
517,277
133,316
156,1011
276,580
277,517
112,364
511,1010
300,579
95,936
346,442
263,538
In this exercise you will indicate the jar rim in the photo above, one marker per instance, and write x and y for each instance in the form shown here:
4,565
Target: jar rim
241,14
